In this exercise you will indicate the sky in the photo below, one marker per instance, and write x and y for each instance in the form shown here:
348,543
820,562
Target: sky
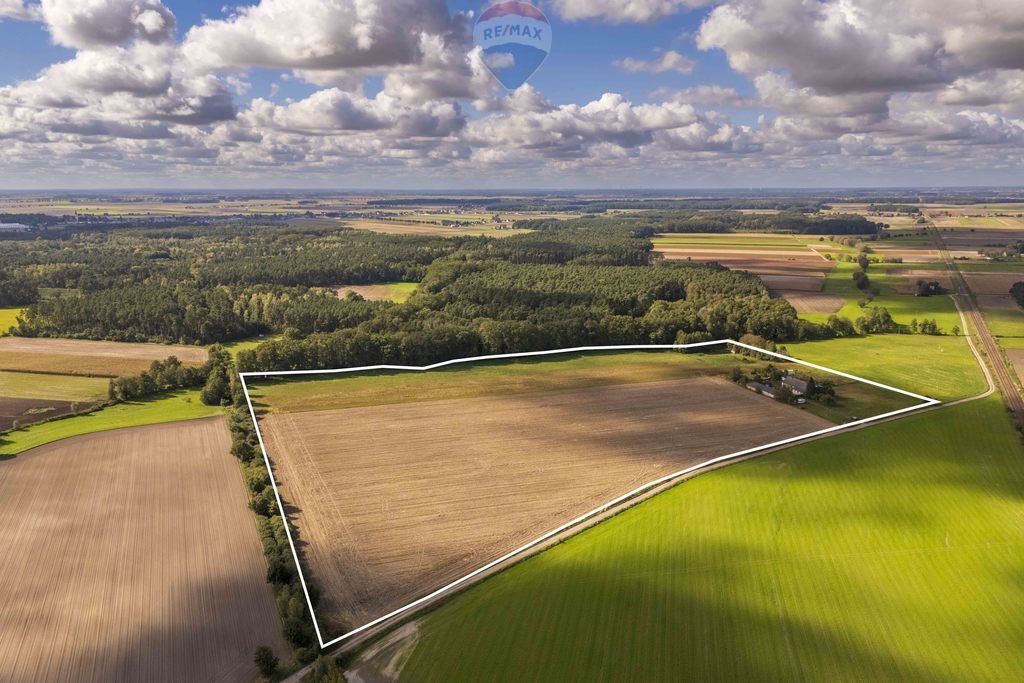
393,94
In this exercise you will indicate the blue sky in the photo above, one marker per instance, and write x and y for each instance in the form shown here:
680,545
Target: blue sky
380,94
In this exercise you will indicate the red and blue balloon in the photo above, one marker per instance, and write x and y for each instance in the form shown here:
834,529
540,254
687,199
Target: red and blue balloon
515,38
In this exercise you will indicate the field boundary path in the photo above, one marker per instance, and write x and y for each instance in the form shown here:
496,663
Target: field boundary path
965,302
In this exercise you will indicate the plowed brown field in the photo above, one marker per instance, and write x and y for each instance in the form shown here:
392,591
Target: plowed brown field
394,501
132,556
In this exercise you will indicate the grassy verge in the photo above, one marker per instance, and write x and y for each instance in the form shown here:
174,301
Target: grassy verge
53,387
173,407
892,553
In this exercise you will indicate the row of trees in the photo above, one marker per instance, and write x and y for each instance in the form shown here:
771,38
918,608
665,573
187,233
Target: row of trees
1017,292
723,222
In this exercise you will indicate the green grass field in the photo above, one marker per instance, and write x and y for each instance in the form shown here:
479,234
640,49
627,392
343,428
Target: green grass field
8,319
940,367
246,344
53,387
894,553
903,307
173,407
1004,322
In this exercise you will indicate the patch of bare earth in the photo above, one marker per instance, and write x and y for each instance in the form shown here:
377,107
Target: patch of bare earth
992,283
908,279
811,302
795,283
996,302
26,411
131,555
392,502
368,292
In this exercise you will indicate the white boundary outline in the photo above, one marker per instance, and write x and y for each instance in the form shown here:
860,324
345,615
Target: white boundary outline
926,403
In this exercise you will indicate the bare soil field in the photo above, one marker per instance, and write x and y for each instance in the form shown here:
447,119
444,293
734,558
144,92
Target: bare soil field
794,283
997,302
93,358
393,501
1016,357
25,411
980,239
131,555
908,254
990,283
811,302
908,279
809,264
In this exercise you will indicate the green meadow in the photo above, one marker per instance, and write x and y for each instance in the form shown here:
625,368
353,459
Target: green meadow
940,367
903,307
8,319
53,387
172,407
892,553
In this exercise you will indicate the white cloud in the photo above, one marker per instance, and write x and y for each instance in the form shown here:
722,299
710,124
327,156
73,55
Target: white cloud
319,35
17,9
87,24
669,61
837,86
708,95
624,11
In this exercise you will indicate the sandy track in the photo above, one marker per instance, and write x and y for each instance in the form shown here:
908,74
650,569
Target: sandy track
132,556
391,502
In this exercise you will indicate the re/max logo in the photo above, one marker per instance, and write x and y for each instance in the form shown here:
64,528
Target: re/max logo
513,30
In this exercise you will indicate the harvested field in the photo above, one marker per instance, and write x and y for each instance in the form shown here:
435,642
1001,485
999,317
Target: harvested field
395,291
811,302
393,501
709,254
767,265
132,556
93,358
794,283
996,302
911,255
992,283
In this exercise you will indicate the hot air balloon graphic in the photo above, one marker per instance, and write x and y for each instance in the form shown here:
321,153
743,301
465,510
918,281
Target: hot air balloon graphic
515,38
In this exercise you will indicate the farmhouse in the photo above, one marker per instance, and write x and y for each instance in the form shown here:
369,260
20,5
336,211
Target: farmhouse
798,386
